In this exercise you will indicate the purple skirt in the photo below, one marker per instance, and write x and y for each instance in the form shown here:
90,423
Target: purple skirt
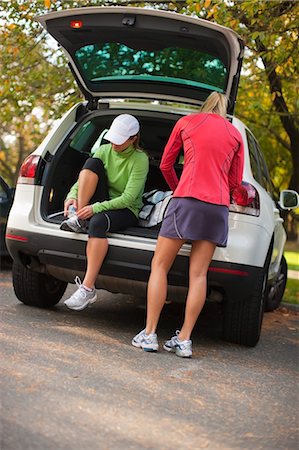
193,220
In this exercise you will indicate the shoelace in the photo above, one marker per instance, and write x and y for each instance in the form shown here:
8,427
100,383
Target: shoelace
175,341
183,345
146,337
80,287
76,220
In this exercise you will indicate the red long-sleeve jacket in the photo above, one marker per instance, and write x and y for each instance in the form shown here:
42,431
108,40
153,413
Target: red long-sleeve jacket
213,158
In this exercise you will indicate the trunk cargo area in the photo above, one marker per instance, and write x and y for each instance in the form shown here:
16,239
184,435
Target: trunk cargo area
63,170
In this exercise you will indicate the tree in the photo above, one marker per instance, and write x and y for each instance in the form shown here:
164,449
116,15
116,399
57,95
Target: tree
270,31
33,76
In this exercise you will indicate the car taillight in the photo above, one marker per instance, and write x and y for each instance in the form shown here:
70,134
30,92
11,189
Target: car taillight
28,170
245,200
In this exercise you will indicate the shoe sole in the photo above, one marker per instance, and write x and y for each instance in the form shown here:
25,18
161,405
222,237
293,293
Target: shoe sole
136,344
169,349
150,350
183,356
66,227
177,352
80,308
146,349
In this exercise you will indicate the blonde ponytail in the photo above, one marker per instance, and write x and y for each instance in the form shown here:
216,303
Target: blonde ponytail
215,103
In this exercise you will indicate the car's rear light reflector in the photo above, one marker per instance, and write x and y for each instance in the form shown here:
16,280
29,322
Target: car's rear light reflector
241,273
76,24
245,200
28,170
15,237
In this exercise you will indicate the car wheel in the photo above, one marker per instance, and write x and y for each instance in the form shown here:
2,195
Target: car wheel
275,291
36,289
243,320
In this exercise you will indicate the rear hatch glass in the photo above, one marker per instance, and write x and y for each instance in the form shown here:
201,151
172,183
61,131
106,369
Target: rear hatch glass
143,53
168,64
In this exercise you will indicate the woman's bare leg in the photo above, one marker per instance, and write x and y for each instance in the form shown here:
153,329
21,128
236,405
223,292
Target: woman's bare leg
96,251
164,256
88,182
200,258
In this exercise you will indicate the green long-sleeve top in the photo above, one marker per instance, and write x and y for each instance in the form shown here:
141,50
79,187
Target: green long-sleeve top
126,175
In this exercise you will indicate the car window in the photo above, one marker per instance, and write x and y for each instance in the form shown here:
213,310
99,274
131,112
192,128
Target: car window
253,157
265,176
258,164
169,64
82,137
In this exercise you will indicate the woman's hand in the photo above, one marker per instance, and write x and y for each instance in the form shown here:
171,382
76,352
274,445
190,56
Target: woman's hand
85,213
68,203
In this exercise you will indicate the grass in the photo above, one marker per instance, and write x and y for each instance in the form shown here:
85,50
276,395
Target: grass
291,254
291,294
292,260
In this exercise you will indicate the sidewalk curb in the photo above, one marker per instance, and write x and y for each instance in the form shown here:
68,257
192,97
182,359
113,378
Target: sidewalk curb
293,274
290,306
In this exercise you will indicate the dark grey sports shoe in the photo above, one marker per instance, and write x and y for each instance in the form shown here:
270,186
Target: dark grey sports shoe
74,224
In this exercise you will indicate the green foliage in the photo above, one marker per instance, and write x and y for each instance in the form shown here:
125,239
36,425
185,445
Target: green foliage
33,75
254,107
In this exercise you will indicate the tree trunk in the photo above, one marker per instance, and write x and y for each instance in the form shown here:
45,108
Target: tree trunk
286,118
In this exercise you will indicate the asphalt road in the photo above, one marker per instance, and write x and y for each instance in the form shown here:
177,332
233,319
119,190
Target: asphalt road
73,381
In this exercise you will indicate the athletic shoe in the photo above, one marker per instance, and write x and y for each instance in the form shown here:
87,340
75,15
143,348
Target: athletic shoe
180,348
74,224
81,298
148,343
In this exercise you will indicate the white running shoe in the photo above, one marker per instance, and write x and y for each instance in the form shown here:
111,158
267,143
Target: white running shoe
148,343
81,298
180,348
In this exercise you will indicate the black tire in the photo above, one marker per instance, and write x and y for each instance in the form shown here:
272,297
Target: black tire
275,291
242,321
36,289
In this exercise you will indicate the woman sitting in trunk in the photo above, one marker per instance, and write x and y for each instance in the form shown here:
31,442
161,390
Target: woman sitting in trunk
107,197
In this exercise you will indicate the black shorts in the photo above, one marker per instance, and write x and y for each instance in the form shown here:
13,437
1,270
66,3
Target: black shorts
110,221
106,221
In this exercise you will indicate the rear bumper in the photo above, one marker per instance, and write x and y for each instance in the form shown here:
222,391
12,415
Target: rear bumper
125,269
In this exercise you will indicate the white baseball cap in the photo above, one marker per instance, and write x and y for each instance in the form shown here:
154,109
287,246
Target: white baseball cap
122,128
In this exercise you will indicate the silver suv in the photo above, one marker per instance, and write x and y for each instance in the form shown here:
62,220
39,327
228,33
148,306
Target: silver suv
157,66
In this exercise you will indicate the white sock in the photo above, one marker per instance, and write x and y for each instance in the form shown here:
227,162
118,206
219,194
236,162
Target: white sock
87,288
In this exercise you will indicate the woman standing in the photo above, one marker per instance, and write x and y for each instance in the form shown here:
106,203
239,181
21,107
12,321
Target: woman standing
107,197
198,212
